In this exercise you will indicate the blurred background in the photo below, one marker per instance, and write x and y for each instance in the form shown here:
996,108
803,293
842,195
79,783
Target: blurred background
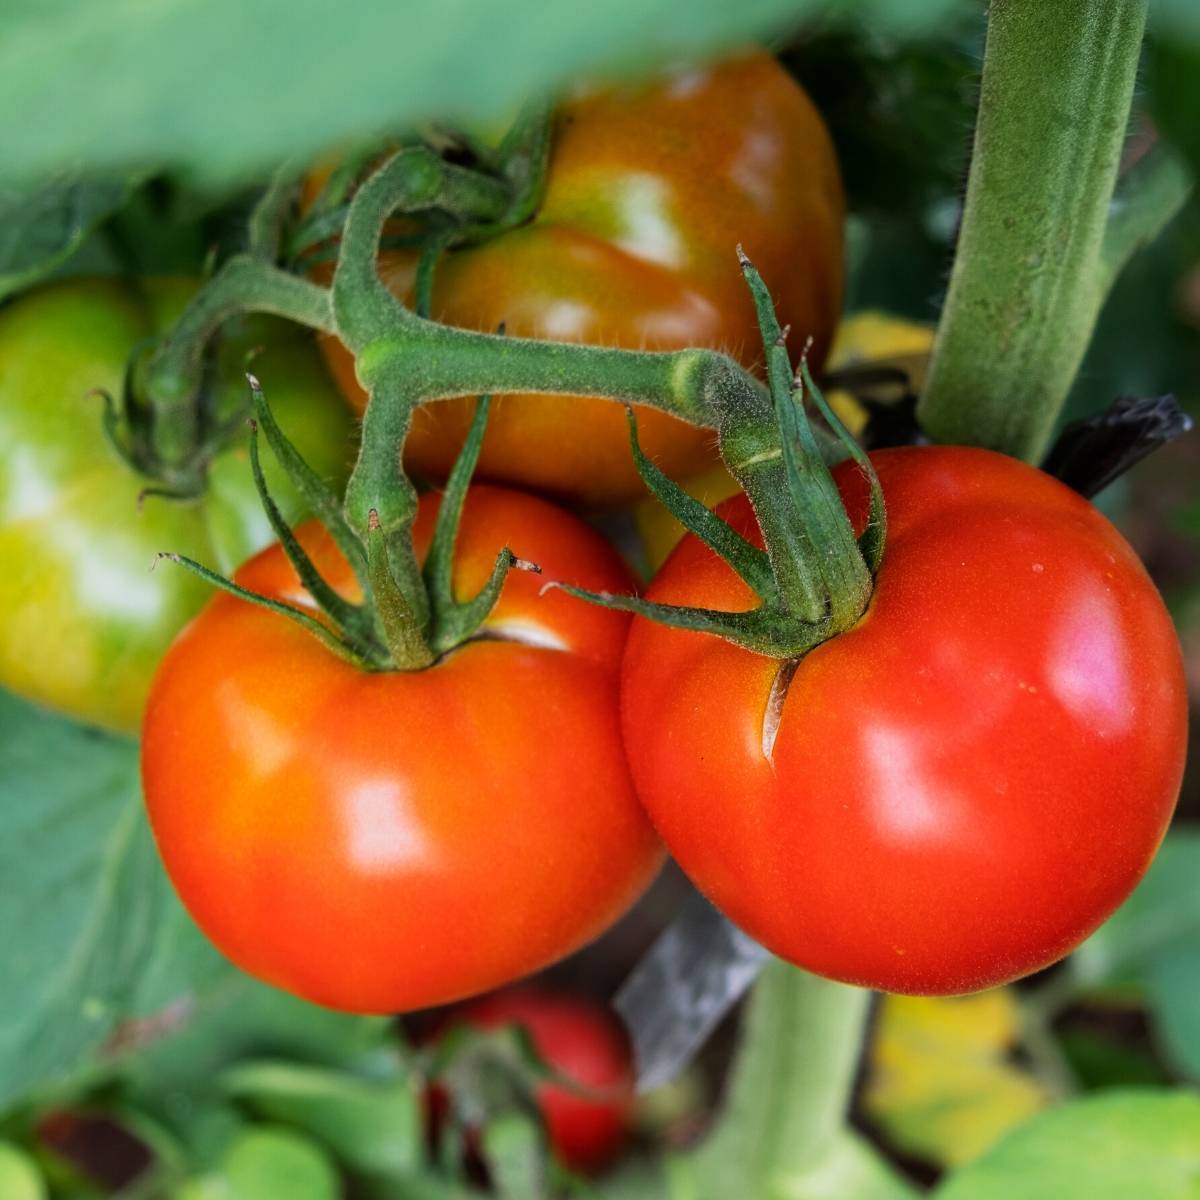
148,136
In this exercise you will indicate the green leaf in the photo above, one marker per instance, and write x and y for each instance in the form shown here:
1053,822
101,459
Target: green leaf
232,87
103,967
1174,982
85,898
1173,75
268,1164
1153,941
1111,1146
1161,917
43,225
19,1176
372,1127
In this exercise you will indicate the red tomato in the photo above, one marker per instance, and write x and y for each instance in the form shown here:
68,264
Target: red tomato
650,189
962,787
389,841
584,1044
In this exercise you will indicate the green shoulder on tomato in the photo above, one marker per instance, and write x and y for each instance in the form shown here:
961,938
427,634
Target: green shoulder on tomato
84,617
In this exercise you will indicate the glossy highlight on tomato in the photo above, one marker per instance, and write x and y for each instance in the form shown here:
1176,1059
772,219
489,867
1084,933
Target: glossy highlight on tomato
650,189
379,842
958,790
83,618
584,1044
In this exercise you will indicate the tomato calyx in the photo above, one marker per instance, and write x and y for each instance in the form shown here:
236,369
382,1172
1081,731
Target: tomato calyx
814,575
389,628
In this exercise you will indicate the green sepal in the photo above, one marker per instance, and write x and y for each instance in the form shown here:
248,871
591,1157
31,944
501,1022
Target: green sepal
313,490
112,424
751,563
525,158
401,629
305,620
433,247
439,562
462,620
873,539
792,425
765,630
351,618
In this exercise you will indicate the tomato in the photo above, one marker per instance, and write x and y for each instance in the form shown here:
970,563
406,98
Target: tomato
959,789
584,1044
378,842
650,189
83,619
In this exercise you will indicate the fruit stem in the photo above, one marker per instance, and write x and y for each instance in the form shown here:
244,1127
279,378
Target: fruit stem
1031,273
171,378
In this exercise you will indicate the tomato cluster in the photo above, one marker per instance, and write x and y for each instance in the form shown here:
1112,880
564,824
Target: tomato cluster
950,794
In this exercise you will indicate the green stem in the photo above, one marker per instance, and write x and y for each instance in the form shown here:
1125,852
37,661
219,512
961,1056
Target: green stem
1029,277
792,1083
172,377
1148,196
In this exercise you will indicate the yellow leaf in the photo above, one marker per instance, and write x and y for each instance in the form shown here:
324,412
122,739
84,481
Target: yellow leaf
941,1084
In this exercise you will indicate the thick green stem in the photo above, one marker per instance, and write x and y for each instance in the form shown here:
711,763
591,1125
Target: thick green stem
791,1087
172,377
1029,275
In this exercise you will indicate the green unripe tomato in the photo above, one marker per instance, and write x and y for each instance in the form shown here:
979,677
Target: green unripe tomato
83,617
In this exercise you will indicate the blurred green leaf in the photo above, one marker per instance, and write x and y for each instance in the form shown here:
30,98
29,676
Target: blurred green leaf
268,1164
1176,18
43,225
1161,917
1154,941
1174,981
85,898
230,87
374,1128
19,1176
1111,1146
1100,1061
103,967
1173,77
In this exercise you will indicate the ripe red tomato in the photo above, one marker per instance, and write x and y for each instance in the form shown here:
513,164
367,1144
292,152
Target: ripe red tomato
583,1043
960,788
390,841
650,189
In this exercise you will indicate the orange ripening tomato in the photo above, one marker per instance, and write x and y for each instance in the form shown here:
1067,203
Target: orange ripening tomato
378,842
958,790
650,189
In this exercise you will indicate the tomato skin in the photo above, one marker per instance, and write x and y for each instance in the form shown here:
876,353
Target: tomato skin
582,1042
83,620
964,785
390,841
650,189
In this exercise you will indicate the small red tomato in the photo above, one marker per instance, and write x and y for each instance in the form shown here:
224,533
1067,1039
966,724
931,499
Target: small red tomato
583,1043
958,790
384,841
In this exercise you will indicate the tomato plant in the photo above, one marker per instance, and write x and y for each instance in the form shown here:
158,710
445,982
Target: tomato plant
381,841
633,245
587,1121
83,620
959,789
